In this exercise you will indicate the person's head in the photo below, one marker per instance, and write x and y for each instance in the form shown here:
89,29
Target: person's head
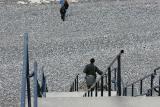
92,60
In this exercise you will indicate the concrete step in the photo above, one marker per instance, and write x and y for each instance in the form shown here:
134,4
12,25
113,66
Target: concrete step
114,101
75,94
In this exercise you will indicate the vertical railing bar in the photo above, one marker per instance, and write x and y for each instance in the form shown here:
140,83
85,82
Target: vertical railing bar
91,92
159,87
24,71
119,75
152,77
96,89
141,86
75,85
109,81
45,86
126,91
101,86
97,85
88,93
115,77
106,82
77,82
35,86
132,89
27,71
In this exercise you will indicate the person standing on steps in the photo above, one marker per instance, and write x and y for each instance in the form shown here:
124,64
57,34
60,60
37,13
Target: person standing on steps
63,9
91,70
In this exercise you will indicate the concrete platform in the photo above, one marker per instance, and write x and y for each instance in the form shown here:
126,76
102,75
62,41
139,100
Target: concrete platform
75,94
100,102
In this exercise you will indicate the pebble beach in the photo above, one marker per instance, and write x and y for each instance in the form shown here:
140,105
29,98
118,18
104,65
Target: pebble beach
98,29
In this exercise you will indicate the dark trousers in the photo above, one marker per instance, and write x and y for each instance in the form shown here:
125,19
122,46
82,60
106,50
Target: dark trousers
63,12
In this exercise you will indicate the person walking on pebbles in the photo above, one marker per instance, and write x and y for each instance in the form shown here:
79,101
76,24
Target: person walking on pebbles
63,9
91,70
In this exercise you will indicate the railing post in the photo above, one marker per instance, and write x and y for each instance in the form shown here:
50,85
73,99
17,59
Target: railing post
24,71
109,81
101,85
27,68
141,85
77,82
43,85
119,76
35,85
115,77
91,92
88,93
96,90
75,85
132,89
159,87
98,85
125,91
152,77
106,82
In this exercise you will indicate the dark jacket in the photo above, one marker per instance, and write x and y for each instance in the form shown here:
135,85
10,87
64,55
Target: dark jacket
91,69
66,5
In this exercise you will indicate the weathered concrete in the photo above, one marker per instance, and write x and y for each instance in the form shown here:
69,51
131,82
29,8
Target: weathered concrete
101,102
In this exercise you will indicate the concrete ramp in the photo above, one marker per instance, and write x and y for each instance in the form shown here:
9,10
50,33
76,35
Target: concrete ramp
100,102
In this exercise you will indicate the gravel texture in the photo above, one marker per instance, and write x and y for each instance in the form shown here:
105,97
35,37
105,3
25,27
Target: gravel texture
92,29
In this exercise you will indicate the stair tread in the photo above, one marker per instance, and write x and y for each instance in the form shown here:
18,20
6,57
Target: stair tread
114,101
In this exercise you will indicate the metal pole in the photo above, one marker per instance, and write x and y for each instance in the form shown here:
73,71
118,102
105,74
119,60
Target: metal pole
115,77
27,71
152,77
101,85
91,92
159,87
77,82
96,90
98,85
85,94
88,93
132,89
35,85
24,71
119,76
126,91
141,85
109,81
75,85
106,82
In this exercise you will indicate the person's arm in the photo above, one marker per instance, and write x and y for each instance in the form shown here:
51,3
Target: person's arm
85,69
99,71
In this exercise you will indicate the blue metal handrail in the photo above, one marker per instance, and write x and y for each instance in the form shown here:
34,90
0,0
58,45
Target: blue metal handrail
107,75
26,78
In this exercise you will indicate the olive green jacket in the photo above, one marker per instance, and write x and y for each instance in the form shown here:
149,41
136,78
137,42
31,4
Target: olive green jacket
91,69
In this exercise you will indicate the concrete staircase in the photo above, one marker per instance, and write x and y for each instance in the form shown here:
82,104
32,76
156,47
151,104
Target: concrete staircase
75,99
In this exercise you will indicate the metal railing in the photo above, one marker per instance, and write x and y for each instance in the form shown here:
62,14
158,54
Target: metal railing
25,83
99,84
75,84
149,91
